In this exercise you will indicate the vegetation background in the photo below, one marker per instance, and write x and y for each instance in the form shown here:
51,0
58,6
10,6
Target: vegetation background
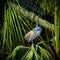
17,18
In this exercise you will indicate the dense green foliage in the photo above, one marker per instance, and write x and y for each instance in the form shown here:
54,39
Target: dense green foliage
34,52
16,25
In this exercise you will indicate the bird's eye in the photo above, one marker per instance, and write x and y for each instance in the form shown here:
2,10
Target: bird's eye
38,29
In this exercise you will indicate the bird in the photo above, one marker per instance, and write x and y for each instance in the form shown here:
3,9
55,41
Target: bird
34,33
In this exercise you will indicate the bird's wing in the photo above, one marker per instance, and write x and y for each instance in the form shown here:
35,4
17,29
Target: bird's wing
27,35
33,35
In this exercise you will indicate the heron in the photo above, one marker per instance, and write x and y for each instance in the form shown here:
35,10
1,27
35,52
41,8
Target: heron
34,33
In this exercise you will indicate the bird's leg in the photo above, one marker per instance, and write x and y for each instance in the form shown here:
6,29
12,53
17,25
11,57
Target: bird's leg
32,41
28,44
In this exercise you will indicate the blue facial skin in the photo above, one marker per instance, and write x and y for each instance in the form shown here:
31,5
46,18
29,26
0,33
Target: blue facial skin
37,27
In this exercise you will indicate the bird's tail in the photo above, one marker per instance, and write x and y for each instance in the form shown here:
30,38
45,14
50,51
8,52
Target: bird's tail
25,38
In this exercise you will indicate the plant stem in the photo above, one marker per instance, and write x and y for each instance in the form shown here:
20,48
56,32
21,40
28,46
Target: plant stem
56,20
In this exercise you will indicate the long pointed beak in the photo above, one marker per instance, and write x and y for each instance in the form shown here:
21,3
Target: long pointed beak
36,23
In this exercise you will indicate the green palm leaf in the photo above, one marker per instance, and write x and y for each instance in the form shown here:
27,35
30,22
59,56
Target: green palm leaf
34,52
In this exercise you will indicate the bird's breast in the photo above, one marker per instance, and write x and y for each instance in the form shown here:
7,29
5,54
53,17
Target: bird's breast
39,32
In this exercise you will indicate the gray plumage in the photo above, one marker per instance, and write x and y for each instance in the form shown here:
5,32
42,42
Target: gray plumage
34,33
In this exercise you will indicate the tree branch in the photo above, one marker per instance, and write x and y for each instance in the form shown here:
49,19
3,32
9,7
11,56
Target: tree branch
33,17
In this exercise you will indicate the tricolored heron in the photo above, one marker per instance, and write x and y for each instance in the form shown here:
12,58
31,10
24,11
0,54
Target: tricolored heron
34,33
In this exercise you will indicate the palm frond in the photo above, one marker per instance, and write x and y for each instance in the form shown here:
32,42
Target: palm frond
34,52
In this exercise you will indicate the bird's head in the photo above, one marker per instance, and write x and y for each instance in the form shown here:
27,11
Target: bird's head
38,30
